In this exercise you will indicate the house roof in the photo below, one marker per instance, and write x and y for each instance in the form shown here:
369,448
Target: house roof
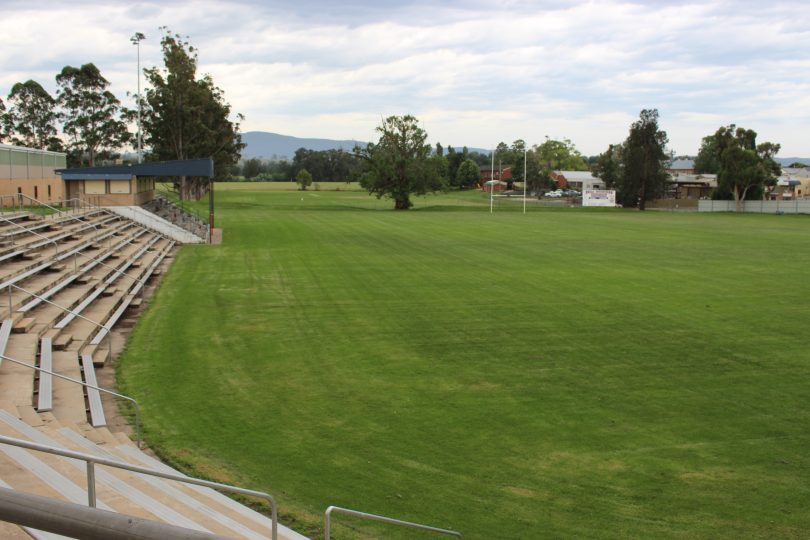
788,182
183,167
682,164
577,176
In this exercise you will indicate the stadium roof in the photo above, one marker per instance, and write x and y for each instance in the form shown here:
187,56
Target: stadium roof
183,167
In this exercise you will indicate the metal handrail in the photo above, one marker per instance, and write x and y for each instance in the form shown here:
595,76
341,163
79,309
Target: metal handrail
327,521
69,520
94,460
52,241
46,205
13,206
111,267
67,203
77,254
189,215
136,222
138,437
57,210
164,192
63,308
20,196
37,201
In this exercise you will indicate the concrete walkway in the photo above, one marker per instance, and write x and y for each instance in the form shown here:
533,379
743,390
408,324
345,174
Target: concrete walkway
150,220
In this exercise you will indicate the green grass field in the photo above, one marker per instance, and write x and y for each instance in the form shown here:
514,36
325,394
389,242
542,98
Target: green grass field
564,373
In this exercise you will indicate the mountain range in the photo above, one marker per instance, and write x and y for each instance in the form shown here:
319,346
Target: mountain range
267,145
785,161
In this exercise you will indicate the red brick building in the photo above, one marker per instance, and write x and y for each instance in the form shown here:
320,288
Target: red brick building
501,175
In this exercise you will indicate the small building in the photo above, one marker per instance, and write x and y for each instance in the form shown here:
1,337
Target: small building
32,173
794,183
691,186
579,180
128,185
493,186
500,174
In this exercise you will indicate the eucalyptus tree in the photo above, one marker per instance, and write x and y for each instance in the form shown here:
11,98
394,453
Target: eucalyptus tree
92,116
744,166
187,117
31,117
644,159
608,165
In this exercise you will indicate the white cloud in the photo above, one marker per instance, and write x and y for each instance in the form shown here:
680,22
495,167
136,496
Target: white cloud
476,72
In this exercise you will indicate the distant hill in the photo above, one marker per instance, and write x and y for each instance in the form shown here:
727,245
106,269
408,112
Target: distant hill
785,161
266,145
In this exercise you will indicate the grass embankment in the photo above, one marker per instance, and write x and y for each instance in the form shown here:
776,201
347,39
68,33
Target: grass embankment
566,373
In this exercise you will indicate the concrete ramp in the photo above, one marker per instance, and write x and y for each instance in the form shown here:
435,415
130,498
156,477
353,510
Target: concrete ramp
150,220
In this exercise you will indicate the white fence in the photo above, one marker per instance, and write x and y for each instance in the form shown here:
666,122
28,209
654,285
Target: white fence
798,206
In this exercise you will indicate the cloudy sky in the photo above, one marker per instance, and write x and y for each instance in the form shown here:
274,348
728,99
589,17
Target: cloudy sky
473,72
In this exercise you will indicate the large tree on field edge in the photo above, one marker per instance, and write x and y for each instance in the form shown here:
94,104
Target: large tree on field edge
400,163
185,117
643,174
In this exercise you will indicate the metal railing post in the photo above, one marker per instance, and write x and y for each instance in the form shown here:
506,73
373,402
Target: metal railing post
150,472
55,245
43,205
91,484
10,304
109,345
327,522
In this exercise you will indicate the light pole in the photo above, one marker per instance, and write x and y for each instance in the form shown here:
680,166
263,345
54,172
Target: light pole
492,180
525,177
136,40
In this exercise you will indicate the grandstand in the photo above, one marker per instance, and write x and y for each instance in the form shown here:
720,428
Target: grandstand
67,280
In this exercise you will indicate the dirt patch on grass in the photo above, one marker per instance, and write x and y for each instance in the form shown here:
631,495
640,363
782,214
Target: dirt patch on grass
521,492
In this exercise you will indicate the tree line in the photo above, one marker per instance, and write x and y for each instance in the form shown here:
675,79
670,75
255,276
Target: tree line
183,115
637,168
93,122
402,164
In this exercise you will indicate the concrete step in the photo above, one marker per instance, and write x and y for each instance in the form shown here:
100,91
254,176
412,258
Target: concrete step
37,472
245,515
68,477
16,381
24,325
172,493
61,342
9,531
68,397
